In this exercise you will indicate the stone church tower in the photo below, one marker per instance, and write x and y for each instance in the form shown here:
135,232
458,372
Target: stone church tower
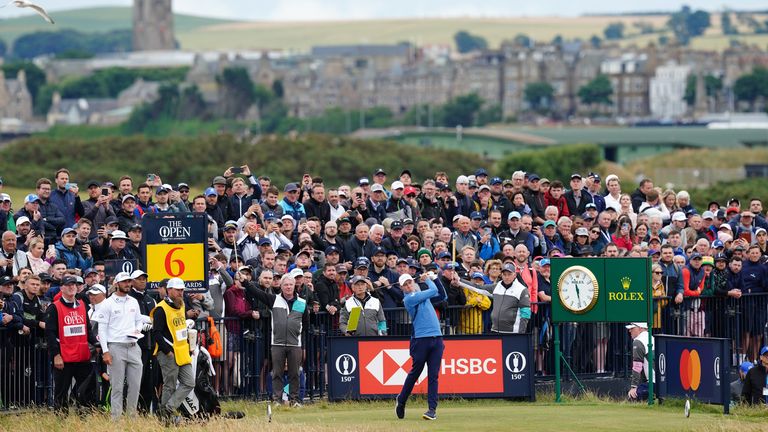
153,25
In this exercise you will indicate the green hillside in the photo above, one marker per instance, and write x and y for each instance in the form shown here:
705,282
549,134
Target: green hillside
198,33
98,19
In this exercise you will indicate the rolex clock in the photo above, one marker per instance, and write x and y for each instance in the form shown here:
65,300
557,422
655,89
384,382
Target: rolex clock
578,289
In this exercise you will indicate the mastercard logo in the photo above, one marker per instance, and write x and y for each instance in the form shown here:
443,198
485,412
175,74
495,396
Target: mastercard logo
690,370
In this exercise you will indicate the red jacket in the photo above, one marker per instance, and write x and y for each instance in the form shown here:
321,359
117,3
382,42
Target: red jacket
560,203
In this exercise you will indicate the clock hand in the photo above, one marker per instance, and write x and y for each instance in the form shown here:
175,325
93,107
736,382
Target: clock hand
578,297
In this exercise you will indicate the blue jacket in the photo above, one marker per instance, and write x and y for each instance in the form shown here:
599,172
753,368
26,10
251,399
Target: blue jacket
72,257
65,201
296,210
753,277
425,323
488,250
53,220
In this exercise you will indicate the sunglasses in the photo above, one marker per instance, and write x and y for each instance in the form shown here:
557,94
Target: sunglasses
657,272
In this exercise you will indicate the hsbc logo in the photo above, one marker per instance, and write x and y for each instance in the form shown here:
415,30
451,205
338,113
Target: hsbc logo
466,367
390,367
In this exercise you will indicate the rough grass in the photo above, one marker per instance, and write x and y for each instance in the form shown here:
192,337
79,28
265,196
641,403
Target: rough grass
585,413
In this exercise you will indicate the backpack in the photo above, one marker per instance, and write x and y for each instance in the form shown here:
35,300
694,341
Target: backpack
213,344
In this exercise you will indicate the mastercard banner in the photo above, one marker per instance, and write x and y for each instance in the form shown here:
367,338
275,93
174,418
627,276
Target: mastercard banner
472,367
696,368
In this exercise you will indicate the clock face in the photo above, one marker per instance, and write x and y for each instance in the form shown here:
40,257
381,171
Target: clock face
578,289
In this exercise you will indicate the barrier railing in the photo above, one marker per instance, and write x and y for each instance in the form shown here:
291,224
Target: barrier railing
244,368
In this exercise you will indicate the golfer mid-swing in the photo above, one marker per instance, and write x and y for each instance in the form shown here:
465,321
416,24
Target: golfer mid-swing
426,340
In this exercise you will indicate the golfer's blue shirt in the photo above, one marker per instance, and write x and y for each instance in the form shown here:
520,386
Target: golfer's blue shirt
425,323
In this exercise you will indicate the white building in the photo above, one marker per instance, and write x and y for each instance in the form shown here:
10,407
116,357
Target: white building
667,91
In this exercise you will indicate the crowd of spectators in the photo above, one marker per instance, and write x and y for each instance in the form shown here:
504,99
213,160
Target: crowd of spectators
346,246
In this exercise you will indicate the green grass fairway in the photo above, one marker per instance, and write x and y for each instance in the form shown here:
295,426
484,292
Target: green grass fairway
454,416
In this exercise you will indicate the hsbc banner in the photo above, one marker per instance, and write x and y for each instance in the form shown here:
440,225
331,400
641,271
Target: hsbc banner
479,366
694,368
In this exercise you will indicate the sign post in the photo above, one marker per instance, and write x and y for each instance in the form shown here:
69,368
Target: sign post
175,246
602,290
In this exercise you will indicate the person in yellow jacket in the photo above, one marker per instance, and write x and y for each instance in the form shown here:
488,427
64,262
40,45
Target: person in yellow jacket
472,315
169,328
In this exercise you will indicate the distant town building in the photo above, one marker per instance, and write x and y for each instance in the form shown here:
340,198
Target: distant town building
153,25
668,90
647,83
15,99
102,111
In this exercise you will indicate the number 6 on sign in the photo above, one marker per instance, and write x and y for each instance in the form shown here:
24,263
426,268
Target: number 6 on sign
179,263
186,261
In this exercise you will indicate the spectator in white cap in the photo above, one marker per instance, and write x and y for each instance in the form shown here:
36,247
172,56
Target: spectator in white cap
397,208
638,390
117,249
97,293
463,196
23,231
612,198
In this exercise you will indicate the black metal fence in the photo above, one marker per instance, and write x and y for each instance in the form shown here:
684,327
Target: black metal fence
244,370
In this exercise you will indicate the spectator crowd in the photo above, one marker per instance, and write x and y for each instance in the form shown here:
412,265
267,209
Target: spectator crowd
283,257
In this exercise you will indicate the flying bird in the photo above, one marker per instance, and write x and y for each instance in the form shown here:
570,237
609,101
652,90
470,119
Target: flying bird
27,4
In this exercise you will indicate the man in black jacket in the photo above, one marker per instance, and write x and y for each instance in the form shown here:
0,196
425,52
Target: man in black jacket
52,217
317,206
755,384
327,290
576,198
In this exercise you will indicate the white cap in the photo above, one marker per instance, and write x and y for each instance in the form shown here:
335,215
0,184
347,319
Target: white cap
641,325
462,179
175,283
725,225
707,215
296,272
97,289
679,217
122,276
611,177
117,235
405,277
22,220
377,188
138,273
397,185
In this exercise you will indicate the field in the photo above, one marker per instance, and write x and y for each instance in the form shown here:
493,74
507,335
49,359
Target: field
197,33
486,415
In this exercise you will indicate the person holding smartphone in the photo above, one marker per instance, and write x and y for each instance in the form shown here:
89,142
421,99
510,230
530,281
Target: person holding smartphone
97,207
624,234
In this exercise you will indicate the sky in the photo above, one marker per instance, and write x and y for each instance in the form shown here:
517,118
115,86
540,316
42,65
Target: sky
308,10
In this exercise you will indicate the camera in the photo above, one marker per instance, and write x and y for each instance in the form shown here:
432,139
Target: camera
359,195
104,191
236,170
353,213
